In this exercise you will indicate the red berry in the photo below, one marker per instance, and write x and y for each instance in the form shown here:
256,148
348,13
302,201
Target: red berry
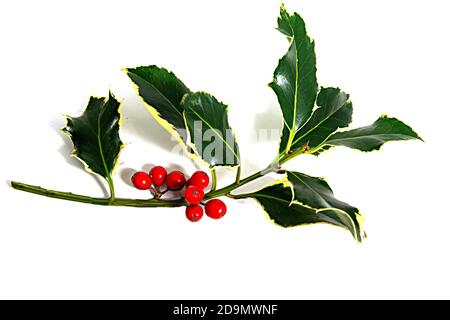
194,213
193,195
158,175
215,209
175,180
141,180
199,179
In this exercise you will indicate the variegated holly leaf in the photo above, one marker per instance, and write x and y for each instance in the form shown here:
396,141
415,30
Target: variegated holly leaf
162,92
372,137
294,80
95,136
209,131
280,203
316,193
334,111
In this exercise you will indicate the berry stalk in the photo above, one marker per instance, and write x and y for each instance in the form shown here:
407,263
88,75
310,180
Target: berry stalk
214,180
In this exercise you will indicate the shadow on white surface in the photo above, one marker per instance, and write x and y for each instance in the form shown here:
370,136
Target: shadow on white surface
269,119
147,167
175,167
65,150
139,123
125,175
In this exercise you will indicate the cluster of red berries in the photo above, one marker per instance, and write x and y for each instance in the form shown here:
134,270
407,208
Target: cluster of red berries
175,181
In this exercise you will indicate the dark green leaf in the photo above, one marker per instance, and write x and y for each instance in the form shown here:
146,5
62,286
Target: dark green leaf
334,111
207,122
278,202
284,23
374,136
316,193
95,135
162,93
294,80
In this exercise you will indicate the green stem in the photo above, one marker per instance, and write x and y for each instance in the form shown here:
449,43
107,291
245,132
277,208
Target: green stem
289,143
238,196
283,158
214,180
97,201
113,201
226,190
286,157
112,194
238,176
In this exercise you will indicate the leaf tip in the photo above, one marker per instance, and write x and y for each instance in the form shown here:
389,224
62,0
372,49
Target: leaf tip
64,129
413,134
113,98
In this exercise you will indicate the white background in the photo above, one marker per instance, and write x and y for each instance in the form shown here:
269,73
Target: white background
392,56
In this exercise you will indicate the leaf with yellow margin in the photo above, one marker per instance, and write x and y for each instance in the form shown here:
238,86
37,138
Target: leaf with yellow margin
162,93
209,131
279,202
95,135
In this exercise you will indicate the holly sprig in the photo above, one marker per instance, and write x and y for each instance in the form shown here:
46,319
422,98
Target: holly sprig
314,120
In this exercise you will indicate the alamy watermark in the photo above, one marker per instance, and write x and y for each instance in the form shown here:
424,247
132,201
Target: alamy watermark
218,146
